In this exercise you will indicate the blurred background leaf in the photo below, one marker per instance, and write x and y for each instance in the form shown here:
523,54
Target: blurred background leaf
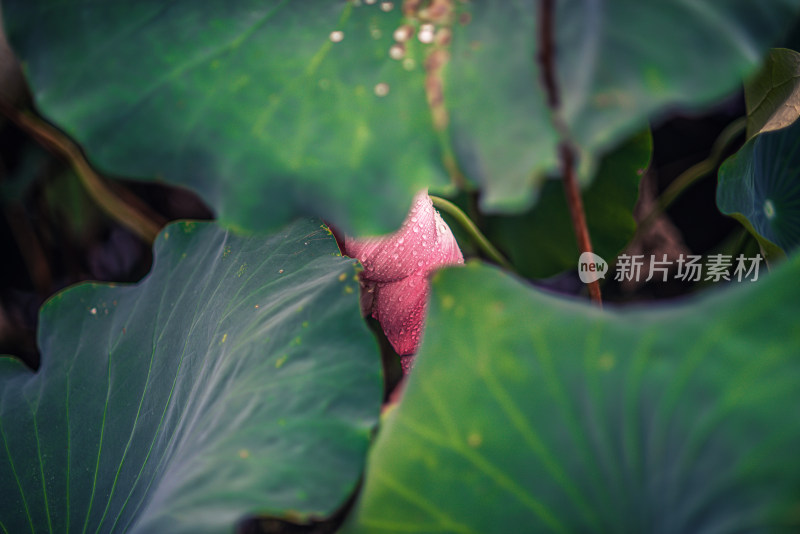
274,109
541,242
773,93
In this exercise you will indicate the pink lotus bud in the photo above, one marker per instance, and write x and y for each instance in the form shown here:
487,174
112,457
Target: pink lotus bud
395,282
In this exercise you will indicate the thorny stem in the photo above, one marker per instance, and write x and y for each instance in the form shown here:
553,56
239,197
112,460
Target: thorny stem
473,231
566,150
139,223
693,174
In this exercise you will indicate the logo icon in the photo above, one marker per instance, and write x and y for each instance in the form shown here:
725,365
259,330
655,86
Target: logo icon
591,267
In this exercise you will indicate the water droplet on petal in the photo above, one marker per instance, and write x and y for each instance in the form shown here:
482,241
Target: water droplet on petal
416,229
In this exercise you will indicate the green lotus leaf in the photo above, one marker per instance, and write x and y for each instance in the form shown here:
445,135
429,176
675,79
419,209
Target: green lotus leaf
773,94
541,242
760,186
273,108
236,379
531,413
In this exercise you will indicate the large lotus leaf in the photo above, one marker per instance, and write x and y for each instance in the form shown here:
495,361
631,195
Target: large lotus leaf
251,102
760,186
267,112
618,63
541,242
622,61
530,413
237,378
773,94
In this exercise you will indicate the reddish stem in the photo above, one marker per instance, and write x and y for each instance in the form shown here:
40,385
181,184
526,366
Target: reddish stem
546,57
547,52
577,213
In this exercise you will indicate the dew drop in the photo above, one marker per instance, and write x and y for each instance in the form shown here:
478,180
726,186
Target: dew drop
397,51
769,209
426,33
337,36
370,2
413,219
395,256
387,6
401,240
382,89
93,311
403,33
416,229
420,263
474,440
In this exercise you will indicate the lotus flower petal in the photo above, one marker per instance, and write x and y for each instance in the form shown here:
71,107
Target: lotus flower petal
423,242
400,308
395,282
